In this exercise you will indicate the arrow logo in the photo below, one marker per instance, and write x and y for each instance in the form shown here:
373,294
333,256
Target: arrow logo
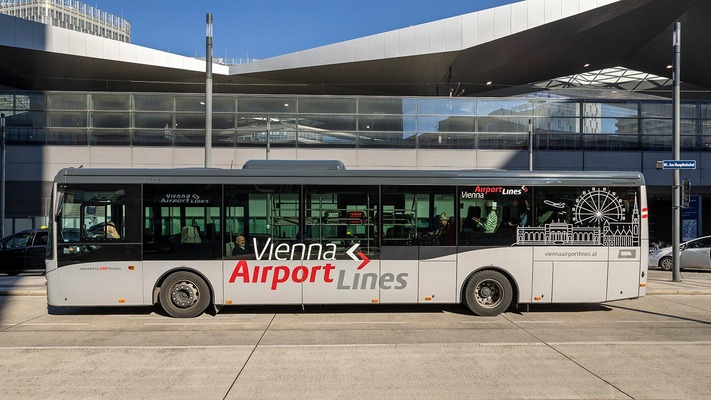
362,256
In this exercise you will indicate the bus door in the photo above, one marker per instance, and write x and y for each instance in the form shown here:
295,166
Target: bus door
341,237
419,243
261,230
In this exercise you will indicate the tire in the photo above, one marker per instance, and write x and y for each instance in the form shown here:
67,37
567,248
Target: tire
666,263
184,295
488,293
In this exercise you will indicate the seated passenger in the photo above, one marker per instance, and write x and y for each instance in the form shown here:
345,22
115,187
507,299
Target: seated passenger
240,246
491,221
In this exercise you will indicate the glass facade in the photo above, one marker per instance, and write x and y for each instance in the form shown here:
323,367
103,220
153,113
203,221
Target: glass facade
174,120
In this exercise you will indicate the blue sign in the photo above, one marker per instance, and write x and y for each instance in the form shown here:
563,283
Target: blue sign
679,164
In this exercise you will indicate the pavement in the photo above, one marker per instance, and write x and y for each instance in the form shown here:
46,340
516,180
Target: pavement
693,282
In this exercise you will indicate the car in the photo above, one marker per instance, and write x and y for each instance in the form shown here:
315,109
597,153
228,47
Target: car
23,252
694,254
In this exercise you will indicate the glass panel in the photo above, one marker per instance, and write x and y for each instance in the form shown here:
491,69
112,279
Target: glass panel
224,104
190,103
67,119
153,102
327,105
153,120
611,142
252,130
447,106
665,110
343,216
22,102
656,142
272,105
383,123
418,216
557,109
190,121
327,122
224,138
611,125
34,119
557,141
66,101
182,222
657,126
189,137
506,107
222,121
502,141
110,137
109,101
567,125
67,137
111,120
155,137
705,110
494,124
611,110
28,136
387,139
369,105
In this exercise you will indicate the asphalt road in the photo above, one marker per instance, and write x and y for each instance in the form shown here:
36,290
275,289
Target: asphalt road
655,347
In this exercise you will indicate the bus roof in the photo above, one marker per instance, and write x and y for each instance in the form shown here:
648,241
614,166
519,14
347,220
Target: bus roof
291,173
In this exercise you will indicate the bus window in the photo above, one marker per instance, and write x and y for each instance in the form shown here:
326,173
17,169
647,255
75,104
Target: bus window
261,214
342,215
491,214
182,222
418,216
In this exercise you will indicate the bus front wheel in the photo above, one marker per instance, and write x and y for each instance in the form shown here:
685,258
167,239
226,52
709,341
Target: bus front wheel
488,293
184,295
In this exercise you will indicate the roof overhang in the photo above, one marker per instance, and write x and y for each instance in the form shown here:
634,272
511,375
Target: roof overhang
512,45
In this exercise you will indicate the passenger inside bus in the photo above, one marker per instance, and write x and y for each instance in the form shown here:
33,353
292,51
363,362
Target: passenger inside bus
240,247
491,222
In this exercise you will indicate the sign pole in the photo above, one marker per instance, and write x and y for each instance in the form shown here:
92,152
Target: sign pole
676,184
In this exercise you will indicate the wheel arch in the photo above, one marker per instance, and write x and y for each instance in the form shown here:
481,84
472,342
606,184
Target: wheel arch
162,278
505,273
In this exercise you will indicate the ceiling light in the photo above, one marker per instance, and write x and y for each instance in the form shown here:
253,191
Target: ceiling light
489,83
586,65
669,66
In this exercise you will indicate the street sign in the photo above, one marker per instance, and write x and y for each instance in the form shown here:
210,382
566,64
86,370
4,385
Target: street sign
679,164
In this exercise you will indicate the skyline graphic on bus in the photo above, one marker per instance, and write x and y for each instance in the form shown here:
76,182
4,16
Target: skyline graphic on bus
599,216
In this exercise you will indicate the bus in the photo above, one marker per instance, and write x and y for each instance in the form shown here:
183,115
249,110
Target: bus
314,232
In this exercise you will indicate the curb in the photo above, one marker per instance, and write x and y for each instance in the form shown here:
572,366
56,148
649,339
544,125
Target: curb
22,292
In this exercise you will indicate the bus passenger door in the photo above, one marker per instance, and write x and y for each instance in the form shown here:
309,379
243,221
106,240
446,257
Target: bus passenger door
399,274
437,274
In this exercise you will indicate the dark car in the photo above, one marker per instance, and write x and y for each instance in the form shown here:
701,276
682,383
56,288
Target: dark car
23,252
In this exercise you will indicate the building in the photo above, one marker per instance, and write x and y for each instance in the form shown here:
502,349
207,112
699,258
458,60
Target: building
70,14
588,77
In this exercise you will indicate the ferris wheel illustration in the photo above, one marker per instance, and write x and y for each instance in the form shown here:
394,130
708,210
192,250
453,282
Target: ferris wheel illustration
596,206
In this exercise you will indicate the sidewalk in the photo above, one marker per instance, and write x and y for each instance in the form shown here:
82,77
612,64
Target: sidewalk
658,283
692,282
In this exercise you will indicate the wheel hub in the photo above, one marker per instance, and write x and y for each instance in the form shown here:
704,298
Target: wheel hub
184,294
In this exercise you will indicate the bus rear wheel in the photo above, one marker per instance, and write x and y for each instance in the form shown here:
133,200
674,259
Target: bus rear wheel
488,293
184,295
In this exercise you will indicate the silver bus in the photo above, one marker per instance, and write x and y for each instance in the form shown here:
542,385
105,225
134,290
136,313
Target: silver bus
313,232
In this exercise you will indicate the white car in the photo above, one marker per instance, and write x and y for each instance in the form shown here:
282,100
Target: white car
694,254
